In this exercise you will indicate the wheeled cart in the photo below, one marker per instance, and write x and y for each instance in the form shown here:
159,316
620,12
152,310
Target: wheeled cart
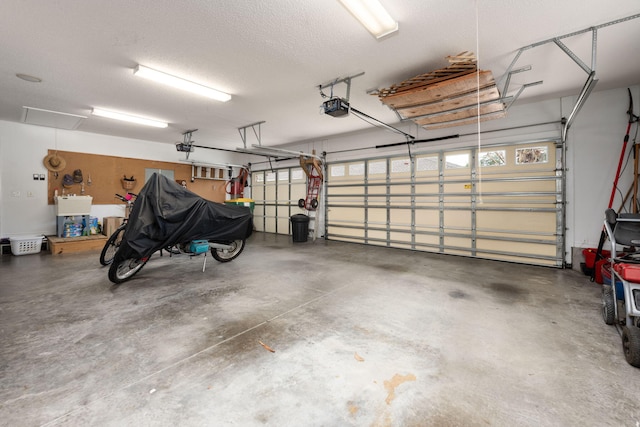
621,296
312,167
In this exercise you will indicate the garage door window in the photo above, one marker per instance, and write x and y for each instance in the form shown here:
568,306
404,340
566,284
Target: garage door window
492,158
532,155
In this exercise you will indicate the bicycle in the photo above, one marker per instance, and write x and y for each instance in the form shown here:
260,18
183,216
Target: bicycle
113,243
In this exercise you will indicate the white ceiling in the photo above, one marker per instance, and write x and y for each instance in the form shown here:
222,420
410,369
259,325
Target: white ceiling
272,55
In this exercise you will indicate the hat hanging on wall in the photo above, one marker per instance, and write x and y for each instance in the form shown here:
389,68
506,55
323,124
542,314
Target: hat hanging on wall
54,162
77,176
67,181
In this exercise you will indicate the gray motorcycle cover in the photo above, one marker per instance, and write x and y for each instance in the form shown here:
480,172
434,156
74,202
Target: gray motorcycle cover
165,213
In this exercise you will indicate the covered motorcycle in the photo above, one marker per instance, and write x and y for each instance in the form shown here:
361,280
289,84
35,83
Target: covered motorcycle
166,214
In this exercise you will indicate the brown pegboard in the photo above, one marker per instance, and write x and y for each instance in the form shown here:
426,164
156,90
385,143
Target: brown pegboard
107,171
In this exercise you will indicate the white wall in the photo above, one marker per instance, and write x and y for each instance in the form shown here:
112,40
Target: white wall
595,143
23,201
593,148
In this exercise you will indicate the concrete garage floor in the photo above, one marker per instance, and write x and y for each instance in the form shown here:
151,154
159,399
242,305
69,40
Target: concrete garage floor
363,336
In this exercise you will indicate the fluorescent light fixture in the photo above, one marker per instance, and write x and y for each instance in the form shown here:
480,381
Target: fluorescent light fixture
373,16
169,80
129,118
54,119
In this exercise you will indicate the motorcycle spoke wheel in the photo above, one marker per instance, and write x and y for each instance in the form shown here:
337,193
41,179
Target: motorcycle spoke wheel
124,270
226,255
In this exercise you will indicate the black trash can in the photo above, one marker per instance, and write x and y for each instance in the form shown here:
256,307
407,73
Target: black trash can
300,227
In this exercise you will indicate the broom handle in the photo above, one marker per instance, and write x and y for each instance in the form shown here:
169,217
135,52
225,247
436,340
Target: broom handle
624,149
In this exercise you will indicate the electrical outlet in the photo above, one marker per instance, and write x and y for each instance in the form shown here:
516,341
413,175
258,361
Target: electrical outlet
36,176
41,177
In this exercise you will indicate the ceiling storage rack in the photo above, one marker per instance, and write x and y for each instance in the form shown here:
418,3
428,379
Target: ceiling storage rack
461,94
450,96
590,70
261,150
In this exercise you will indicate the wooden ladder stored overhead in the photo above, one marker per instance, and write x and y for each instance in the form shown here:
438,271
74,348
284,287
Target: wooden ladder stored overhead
450,96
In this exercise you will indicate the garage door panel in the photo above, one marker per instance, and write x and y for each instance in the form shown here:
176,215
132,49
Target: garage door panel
270,211
399,203
258,217
510,206
457,187
427,193
457,242
276,195
522,235
377,216
518,186
457,203
427,217
541,222
346,231
401,217
457,220
510,198
426,205
357,191
400,189
548,250
377,235
430,240
400,237
298,191
270,225
342,214
377,189
283,225
283,194
349,200
270,193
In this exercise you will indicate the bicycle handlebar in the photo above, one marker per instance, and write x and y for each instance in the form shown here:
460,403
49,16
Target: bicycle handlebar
125,199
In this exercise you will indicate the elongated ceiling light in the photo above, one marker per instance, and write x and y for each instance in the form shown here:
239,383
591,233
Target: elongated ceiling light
129,118
373,16
177,82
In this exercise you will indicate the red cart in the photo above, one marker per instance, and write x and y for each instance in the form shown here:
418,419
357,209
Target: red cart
312,166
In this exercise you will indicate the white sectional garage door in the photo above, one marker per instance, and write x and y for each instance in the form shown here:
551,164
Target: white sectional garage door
501,202
276,194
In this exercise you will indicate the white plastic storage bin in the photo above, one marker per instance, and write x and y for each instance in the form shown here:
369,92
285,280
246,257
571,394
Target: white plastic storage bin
24,245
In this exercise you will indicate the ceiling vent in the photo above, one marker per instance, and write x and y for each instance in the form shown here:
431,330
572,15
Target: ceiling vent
54,119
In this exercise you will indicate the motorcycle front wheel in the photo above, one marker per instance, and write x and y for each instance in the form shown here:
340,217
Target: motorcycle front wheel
123,270
226,255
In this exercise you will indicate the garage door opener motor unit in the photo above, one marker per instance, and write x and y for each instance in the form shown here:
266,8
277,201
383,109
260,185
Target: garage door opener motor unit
336,107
